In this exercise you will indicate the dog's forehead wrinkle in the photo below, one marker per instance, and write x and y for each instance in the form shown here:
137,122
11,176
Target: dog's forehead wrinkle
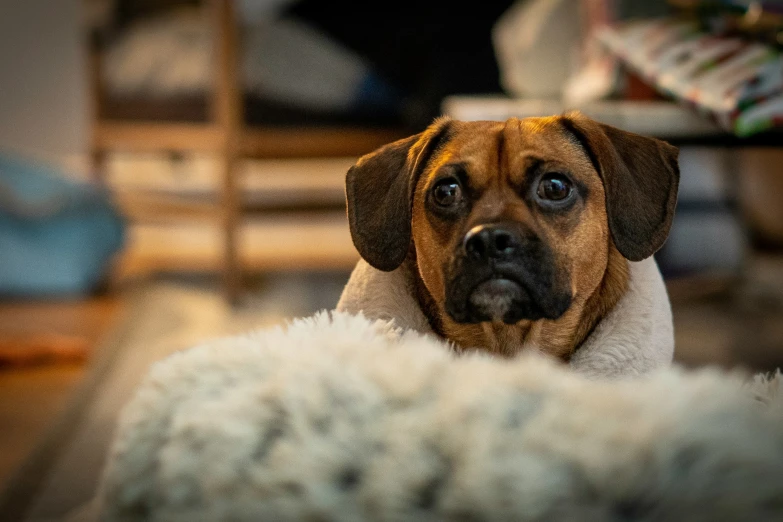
509,141
439,160
502,162
566,131
510,138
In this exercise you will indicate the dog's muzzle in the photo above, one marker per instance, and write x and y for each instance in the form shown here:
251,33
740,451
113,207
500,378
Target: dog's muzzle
502,275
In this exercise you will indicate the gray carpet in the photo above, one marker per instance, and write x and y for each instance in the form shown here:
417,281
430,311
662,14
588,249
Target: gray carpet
163,317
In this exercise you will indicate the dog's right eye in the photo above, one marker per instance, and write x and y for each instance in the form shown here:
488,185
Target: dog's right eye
554,187
447,192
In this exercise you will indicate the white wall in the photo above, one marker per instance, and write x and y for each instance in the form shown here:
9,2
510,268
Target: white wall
43,96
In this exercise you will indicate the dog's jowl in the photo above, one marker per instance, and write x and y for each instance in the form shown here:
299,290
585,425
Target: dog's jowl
516,234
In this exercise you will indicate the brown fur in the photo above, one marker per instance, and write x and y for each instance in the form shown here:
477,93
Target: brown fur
591,243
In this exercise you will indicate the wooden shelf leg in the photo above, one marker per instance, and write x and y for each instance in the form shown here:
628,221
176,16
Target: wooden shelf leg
228,113
232,269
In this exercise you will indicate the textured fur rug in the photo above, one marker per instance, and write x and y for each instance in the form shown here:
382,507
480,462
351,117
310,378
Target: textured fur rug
340,418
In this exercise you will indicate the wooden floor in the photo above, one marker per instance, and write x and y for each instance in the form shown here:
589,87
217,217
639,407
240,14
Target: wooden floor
34,391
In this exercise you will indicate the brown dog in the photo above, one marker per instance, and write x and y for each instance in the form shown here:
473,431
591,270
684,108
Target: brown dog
518,232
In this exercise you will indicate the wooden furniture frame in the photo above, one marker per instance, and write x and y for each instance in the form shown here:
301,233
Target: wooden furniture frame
226,135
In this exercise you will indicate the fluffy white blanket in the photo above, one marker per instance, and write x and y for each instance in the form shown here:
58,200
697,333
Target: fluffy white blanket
636,337
340,418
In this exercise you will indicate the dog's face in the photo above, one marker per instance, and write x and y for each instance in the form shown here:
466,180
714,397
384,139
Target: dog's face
512,221
505,217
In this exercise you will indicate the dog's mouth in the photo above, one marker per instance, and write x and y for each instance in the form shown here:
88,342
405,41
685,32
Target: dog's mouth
495,298
505,298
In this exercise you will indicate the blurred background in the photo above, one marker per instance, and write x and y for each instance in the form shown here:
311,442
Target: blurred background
172,171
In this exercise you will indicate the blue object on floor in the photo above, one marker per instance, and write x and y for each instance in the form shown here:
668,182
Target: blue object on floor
57,236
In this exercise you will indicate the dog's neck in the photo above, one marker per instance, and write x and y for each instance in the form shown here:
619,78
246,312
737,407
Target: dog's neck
559,338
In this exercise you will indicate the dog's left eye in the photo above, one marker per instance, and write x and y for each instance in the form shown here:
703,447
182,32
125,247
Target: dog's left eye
554,187
447,192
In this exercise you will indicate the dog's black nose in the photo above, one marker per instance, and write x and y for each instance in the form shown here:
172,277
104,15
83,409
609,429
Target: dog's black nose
490,242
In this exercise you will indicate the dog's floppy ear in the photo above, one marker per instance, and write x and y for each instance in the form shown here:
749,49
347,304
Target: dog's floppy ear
379,190
640,177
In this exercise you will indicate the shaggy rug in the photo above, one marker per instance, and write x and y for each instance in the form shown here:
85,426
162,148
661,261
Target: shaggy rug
338,418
